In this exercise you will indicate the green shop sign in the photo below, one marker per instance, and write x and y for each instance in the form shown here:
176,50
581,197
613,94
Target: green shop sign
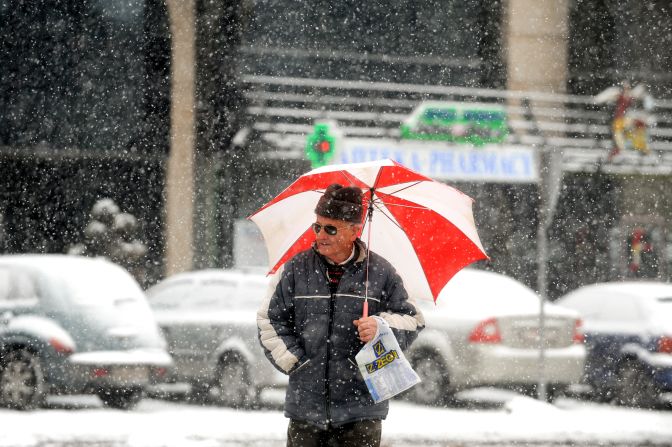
475,124
320,145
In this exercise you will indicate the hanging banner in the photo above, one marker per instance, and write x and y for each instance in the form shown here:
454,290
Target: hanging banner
458,122
446,161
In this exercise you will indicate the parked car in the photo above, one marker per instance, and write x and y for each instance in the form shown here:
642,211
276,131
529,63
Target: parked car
484,331
628,327
209,320
74,325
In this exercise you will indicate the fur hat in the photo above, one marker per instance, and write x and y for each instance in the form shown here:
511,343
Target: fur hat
342,203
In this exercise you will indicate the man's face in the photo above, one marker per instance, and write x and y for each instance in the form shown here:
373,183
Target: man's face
337,248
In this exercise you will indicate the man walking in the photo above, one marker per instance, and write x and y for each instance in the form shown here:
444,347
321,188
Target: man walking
311,328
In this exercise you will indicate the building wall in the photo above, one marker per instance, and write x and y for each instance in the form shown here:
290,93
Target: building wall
84,75
611,41
447,42
114,95
85,95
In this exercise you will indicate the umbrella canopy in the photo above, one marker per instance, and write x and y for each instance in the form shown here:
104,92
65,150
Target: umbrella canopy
424,228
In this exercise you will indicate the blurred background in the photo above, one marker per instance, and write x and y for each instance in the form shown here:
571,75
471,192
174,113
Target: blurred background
189,114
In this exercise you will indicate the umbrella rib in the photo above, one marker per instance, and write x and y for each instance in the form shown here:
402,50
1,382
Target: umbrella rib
347,177
418,207
389,217
379,199
405,187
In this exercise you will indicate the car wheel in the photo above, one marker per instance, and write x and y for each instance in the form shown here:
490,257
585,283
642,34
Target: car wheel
634,386
433,388
554,391
602,393
21,381
120,399
200,391
233,385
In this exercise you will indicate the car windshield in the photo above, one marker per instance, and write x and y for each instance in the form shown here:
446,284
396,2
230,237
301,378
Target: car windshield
250,294
16,286
208,294
171,294
214,294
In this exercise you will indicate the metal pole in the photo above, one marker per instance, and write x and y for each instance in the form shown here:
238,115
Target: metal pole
550,177
542,247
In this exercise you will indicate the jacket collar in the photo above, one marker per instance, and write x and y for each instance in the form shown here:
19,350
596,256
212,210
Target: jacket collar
362,251
361,256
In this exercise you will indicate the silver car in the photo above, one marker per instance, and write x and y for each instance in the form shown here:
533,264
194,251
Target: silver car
209,320
74,325
484,331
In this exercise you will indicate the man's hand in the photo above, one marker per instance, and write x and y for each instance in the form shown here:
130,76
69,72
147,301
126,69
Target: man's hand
367,327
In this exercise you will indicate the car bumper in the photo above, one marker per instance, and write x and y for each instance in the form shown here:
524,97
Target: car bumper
663,379
660,365
88,371
262,373
495,365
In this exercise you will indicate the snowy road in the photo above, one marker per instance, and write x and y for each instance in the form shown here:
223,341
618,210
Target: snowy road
488,418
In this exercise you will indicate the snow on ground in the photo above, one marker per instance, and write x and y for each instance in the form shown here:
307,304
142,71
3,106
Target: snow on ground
81,420
523,419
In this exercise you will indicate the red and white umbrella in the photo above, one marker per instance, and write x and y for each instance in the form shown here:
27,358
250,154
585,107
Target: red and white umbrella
423,227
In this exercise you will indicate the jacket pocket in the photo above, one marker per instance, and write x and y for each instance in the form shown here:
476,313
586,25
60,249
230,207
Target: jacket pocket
354,372
355,368
299,368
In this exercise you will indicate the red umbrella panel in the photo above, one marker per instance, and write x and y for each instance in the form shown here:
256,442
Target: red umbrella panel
423,227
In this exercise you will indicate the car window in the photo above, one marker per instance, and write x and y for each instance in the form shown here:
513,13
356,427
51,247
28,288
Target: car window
252,293
17,287
99,284
663,309
587,304
170,295
215,294
474,294
619,308
209,294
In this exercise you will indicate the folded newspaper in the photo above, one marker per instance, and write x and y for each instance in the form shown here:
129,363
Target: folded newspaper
384,367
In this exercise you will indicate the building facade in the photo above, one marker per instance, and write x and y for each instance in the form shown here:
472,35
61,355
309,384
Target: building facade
190,114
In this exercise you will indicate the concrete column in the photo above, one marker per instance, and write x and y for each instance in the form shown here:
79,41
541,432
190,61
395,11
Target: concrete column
180,169
536,36
536,33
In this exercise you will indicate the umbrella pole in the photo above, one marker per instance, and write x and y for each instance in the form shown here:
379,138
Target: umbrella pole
369,216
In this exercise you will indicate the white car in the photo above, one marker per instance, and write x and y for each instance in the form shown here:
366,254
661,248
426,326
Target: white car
209,319
484,331
74,325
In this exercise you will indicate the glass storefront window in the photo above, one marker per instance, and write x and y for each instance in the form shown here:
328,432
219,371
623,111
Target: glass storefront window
79,74
427,41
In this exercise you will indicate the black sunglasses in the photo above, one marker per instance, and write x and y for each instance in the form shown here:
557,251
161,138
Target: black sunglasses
331,230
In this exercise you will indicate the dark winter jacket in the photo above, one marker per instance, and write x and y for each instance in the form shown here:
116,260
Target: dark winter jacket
308,333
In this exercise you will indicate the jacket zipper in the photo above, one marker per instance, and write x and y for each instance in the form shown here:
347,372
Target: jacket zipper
329,332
